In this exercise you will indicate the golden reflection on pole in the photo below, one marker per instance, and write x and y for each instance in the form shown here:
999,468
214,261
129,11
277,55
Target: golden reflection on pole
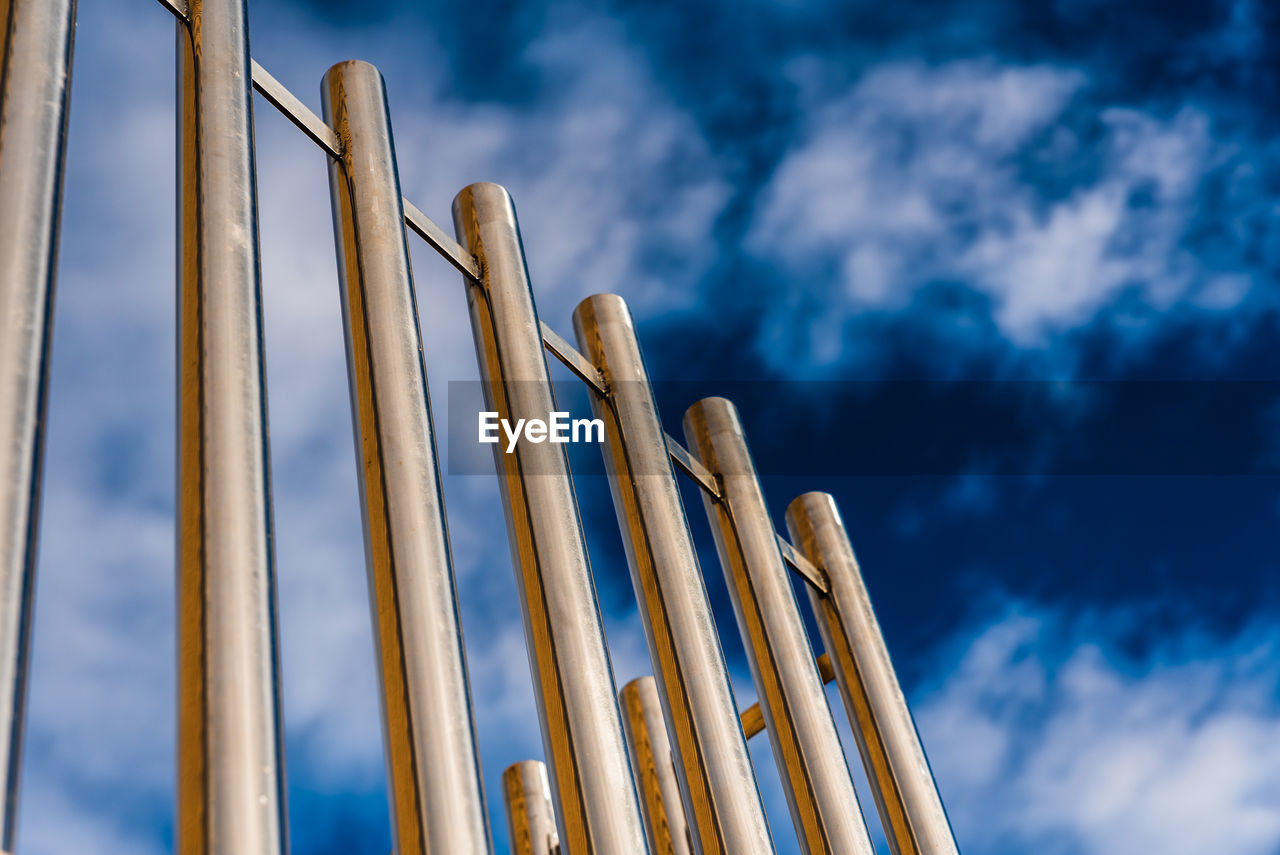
719,784
655,770
531,821
230,763
433,770
573,679
906,796
824,806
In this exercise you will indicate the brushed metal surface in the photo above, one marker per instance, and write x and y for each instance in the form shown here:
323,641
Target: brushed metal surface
433,770
531,821
573,679
906,796
36,75
665,823
230,764
753,716
717,779
824,806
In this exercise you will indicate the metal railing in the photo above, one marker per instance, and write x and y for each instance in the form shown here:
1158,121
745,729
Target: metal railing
669,771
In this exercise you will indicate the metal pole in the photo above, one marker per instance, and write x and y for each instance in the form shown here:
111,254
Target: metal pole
824,806
753,718
35,80
664,817
230,764
531,822
718,781
910,809
432,766
577,701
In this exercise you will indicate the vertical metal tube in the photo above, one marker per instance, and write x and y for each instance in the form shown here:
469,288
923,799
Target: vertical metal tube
531,821
230,763
801,730
664,816
433,769
35,87
577,701
910,809
718,781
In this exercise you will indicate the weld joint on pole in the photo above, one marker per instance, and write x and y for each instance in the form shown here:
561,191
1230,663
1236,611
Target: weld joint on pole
180,11
685,461
572,359
810,572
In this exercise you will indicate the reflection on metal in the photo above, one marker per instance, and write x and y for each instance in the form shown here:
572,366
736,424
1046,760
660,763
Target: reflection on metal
802,565
906,796
531,821
801,730
433,772
753,716
230,791
230,764
719,785
36,77
581,726
664,815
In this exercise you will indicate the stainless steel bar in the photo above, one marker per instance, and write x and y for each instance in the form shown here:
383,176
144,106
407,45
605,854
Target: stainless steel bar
432,765
824,806
797,562
230,764
692,467
295,111
573,360
725,812
664,816
911,810
753,717
435,236
531,821
577,700
35,82
177,7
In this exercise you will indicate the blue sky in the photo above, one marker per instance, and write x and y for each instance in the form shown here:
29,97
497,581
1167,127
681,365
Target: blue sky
1056,203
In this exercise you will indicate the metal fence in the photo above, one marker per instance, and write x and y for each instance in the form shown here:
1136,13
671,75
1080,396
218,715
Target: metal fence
666,770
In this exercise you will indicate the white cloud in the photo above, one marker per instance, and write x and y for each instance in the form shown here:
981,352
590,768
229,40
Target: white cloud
997,177
1053,269
1046,736
615,185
